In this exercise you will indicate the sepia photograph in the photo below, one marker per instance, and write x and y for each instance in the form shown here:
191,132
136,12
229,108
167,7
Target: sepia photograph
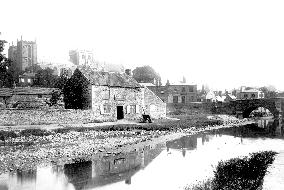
142,95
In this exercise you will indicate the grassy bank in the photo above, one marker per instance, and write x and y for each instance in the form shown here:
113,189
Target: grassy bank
197,121
24,149
239,173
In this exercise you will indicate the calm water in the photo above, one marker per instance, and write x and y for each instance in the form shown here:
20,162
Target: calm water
171,165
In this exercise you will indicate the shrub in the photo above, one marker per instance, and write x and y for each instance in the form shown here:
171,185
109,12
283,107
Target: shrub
34,132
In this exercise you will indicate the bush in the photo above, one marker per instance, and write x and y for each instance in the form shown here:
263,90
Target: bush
35,132
239,173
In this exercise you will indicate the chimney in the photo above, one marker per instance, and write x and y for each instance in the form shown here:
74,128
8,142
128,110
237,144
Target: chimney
128,72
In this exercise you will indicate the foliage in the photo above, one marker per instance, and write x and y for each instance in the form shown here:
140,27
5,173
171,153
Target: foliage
61,81
55,97
45,78
6,79
34,132
75,91
269,91
146,74
239,173
33,69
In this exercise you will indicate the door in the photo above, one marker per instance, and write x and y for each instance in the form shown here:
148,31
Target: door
120,114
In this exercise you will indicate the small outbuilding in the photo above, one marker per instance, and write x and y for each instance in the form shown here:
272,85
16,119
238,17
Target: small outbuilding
110,95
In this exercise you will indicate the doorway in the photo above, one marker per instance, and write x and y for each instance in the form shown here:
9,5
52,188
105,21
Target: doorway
120,114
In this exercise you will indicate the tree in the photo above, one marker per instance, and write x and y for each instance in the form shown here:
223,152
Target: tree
6,79
61,81
146,74
45,78
33,69
269,91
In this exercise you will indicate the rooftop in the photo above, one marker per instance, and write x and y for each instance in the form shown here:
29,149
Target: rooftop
26,91
113,79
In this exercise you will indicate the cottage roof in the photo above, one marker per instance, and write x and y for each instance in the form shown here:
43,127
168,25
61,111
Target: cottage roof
26,91
146,84
232,96
112,79
28,75
210,95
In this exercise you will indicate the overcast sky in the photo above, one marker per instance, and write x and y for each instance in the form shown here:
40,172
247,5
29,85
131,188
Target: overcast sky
224,44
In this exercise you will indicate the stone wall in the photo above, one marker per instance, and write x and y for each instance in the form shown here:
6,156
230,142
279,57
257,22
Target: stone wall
48,116
153,105
117,96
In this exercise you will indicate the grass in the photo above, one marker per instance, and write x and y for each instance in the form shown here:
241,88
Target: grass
239,173
198,121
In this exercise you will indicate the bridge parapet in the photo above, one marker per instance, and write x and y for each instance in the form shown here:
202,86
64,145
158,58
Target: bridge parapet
274,105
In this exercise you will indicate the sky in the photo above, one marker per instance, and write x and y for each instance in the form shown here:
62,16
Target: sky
222,43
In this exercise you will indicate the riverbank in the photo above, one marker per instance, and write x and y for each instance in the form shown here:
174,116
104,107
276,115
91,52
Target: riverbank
26,148
239,173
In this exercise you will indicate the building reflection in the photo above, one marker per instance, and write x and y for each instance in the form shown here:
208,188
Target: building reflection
184,143
205,138
21,179
110,169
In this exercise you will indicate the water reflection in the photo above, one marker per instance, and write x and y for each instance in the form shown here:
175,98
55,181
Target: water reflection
174,163
262,128
84,175
183,144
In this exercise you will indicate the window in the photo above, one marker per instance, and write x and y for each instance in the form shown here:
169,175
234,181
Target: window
253,95
105,94
22,80
245,96
132,109
120,96
29,80
183,89
175,99
191,89
105,109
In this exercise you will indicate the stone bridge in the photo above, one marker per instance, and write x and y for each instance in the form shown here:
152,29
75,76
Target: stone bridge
245,107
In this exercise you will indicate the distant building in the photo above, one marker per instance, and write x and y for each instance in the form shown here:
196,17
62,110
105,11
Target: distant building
210,97
26,79
23,55
250,94
175,93
82,57
229,97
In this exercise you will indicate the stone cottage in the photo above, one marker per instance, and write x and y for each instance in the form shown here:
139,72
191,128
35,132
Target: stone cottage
110,95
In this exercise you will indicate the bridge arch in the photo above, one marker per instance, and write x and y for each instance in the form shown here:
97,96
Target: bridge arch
248,110
248,105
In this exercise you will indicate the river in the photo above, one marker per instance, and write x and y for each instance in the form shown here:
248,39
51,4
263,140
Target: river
171,165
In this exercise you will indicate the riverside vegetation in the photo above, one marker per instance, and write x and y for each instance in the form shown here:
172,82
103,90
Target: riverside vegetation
238,173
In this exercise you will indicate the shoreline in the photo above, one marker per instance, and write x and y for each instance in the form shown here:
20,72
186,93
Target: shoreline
85,145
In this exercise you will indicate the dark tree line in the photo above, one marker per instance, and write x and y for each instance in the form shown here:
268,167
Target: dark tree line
147,74
6,78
